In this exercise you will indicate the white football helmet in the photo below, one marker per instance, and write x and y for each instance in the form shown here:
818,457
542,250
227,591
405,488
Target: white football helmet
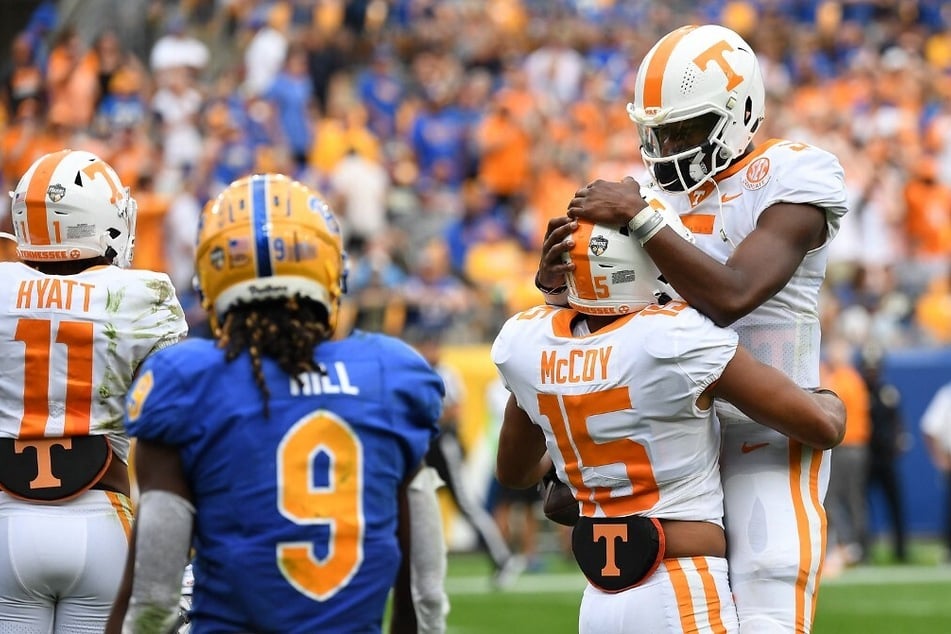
613,274
699,98
70,205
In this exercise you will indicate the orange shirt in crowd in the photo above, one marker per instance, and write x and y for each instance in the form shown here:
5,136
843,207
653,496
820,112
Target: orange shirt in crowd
592,125
847,382
933,310
150,228
73,87
505,156
21,146
132,160
928,214
552,191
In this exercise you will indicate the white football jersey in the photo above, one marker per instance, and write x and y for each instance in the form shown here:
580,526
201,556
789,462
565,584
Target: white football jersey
784,331
69,345
618,407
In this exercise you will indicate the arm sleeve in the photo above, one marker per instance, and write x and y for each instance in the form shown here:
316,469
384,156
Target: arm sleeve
163,537
427,553
810,176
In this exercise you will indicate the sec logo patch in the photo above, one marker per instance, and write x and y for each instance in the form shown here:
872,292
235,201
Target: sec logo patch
757,174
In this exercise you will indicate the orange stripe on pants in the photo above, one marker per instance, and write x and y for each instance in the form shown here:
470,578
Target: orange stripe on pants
123,508
682,591
711,596
685,603
809,569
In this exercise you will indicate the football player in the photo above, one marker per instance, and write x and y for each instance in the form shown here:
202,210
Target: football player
763,217
75,324
617,392
287,458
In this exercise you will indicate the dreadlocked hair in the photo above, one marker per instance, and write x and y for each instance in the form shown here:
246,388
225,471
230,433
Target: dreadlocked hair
285,330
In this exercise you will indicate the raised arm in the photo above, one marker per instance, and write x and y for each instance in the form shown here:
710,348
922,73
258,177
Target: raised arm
760,266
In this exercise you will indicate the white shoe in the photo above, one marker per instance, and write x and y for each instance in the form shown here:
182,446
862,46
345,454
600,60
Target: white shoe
506,576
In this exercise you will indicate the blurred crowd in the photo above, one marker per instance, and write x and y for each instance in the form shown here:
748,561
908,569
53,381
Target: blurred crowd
445,133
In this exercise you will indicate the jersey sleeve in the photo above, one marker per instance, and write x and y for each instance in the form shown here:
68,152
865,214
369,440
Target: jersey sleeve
809,176
693,349
414,392
160,401
500,351
158,316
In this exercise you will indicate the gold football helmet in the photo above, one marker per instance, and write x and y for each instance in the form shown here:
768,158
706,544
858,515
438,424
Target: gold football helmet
267,236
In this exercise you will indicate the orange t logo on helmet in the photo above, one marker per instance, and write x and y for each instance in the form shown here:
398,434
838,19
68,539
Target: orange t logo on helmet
715,54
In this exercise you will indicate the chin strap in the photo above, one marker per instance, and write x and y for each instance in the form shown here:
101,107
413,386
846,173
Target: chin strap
8,236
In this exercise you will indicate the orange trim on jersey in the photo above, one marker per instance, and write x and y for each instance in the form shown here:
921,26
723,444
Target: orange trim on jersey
678,579
38,231
711,596
123,508
561,324
584,281
746,160
700,223
654,78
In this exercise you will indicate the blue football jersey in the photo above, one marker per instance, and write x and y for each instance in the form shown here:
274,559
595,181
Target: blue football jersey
296,520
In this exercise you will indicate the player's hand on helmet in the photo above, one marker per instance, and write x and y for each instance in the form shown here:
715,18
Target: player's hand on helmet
611,203
552,266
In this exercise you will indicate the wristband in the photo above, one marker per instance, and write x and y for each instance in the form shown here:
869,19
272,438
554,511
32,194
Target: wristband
558,290
646,224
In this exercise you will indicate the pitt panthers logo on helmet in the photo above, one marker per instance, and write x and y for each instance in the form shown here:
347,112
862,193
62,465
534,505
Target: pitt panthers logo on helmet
267,236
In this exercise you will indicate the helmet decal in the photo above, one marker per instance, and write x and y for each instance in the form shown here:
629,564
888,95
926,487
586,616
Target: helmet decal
260,223
56,192
598,244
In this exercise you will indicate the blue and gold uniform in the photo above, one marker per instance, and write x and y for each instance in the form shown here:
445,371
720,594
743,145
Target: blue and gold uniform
324,465
293,475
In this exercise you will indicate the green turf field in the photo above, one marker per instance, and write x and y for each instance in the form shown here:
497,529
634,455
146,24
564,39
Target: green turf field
872,599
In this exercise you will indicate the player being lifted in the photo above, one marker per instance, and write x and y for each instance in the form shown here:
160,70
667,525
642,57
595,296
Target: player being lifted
75,324
619,391
763,217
